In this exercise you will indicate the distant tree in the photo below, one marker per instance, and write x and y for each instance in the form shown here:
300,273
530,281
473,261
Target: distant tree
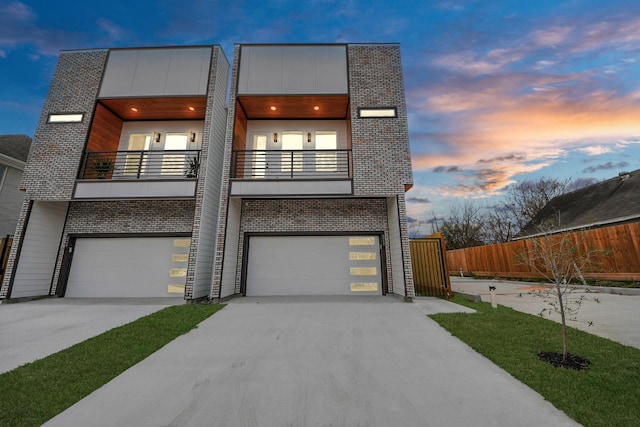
499,226
561,259
415,229
523,201
465,226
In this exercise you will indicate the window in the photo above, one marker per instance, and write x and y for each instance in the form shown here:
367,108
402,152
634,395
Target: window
259,158
386,112
137,142
65,118
326,140
174,164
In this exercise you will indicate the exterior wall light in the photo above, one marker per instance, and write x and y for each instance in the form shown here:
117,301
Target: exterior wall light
308,136
156,136
192,137
275,137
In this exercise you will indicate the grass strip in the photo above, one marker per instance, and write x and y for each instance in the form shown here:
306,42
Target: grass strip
38,391
608,394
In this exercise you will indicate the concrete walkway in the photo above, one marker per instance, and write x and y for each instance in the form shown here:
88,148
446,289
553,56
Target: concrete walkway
368,361
35,329
615,317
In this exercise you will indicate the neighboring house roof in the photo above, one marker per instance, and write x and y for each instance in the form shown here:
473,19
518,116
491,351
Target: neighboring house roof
15,146
616,200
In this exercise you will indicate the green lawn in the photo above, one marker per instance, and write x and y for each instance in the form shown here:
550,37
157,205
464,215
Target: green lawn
36,392
608,394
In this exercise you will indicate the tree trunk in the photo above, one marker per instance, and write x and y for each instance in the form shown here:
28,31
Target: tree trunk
564,322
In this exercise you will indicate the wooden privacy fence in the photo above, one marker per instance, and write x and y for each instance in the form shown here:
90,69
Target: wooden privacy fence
621,243
5,248
428,263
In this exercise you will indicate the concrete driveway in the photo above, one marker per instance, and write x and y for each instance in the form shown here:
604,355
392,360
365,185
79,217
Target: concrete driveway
35,329
369,361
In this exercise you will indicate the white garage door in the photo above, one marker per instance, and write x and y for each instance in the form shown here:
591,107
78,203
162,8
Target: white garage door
313,265
128,267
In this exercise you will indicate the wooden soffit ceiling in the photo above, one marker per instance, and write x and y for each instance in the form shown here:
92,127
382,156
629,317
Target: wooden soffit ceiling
295,107
183,108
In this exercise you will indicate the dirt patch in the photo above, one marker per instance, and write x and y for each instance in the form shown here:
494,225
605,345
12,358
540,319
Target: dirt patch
573,361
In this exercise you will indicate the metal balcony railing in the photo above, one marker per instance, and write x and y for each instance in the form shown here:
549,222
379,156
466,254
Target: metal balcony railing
291,164
170,164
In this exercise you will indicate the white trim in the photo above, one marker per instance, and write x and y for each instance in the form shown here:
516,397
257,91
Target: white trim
12,162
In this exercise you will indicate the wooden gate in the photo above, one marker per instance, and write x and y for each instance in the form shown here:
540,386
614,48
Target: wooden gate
428,263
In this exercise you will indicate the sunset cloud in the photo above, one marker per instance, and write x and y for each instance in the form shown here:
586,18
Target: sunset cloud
500,120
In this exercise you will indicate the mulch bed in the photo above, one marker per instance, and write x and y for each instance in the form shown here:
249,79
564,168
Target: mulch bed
573,361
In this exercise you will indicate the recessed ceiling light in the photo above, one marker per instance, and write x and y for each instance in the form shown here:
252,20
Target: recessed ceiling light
191,108
273,108
315,107
134,109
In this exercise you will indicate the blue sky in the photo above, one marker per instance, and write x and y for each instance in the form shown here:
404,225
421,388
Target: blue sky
497,91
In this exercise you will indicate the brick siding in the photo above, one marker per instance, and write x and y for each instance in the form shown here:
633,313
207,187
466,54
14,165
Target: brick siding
381,157
57,148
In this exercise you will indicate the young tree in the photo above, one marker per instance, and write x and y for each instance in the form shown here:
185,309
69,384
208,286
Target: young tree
561,259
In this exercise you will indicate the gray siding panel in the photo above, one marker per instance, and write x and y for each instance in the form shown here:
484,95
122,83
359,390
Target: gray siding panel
156,72
291,70
39,250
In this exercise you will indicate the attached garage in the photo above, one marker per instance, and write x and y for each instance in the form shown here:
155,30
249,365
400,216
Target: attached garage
128,267
313,265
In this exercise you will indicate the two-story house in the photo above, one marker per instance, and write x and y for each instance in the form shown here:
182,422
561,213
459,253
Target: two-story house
317,164
141,181
13,156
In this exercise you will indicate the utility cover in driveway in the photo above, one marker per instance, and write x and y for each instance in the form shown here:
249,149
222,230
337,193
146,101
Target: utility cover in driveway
313,265
128,267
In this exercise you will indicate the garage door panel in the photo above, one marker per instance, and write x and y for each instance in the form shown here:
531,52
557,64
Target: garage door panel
311,265
126,267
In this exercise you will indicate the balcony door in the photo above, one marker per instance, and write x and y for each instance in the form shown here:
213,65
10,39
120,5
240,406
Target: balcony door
157,154
286,153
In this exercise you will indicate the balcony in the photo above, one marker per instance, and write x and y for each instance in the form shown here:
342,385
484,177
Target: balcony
138,174
258,173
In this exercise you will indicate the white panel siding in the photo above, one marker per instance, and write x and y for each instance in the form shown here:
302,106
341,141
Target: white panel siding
293,70
39,249
156,72
395,244
206,233
232,238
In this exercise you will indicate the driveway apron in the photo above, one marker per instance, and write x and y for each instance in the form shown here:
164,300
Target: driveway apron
374,361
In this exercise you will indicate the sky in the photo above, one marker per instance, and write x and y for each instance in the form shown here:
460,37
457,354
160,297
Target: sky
498,92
